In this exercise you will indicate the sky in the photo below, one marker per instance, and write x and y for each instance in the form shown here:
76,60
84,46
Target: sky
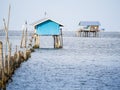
66,12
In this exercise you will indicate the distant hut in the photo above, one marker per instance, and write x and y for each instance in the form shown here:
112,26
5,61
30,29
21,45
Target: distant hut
48,27
88,28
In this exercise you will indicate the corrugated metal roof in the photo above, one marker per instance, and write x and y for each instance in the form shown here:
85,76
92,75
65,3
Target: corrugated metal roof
43,20
89,23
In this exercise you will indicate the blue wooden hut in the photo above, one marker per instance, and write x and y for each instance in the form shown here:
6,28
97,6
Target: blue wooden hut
48,27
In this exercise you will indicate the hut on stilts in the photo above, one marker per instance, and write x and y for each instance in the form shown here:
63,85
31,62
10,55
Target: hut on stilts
48,27
88,29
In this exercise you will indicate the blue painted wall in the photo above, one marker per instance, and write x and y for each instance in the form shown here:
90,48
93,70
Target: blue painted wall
48,28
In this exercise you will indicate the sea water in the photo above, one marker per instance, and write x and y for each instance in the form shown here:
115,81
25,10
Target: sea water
84,63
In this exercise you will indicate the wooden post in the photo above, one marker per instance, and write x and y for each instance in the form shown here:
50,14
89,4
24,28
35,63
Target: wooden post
1,56
54,40
85,33
16,49
1,62
2,86
36,41
25,54
9,56
80,33
93,33
26,34
98,33
5,59
6,31
17,59
89,33
61,39
22,40
30,45
57,41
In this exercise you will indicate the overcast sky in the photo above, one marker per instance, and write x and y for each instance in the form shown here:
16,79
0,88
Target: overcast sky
67,12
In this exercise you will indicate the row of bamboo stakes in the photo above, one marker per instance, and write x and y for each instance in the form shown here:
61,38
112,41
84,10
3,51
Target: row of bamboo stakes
8,62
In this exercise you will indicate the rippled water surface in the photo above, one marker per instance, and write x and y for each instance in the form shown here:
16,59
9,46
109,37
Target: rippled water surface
82,64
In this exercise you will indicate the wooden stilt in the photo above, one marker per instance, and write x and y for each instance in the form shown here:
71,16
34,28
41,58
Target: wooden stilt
54,40
2,76
80,33
1,56
36,41
1,60
26,34
9,55
98,33
61,39
24,37
30,45
58,41
22,40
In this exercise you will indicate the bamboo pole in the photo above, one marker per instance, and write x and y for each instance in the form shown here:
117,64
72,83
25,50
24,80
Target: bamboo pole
30,45
26,34
57,41
2,86
36,41
54,40
21,45
1,56
9,56
7,38
1,64
24,37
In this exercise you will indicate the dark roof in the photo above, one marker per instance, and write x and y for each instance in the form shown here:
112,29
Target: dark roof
43,20
89,23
